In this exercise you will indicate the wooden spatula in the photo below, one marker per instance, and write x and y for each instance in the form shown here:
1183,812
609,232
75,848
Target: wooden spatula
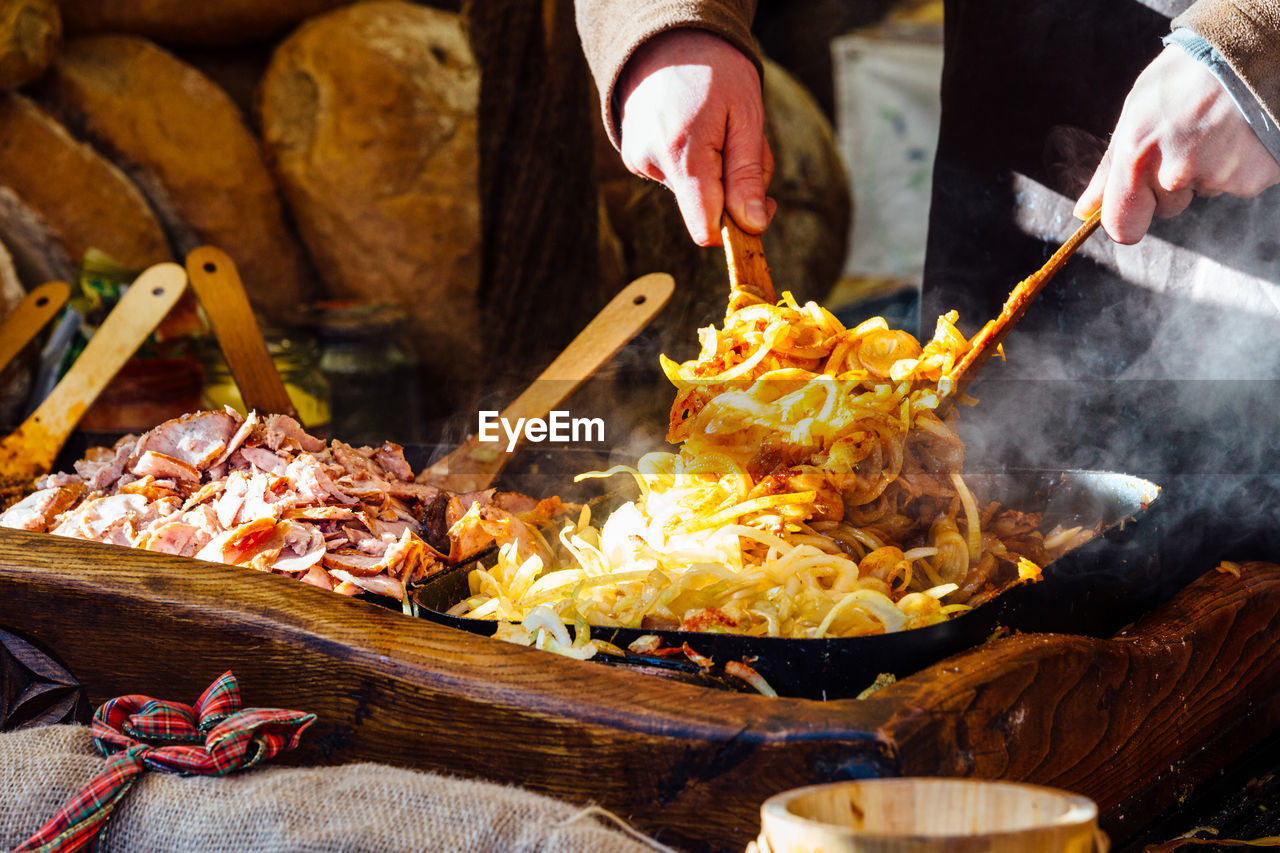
32,448
217,284
749,279
32,314
990,336
475,464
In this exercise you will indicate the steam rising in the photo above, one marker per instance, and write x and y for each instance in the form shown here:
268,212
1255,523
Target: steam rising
1160,359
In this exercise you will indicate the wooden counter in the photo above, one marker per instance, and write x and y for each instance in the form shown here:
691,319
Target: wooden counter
1133,722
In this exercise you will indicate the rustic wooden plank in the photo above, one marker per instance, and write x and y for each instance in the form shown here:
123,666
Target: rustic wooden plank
1135,722
1190,686
689,763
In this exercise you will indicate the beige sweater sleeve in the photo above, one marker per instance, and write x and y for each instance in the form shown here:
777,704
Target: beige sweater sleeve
1247,34
611,30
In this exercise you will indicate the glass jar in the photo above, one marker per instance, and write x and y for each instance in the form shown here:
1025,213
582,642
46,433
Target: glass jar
296,357
372,371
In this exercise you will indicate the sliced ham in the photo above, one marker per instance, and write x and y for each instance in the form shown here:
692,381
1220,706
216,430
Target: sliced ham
321,513
481,526
231,501
420,492
312,482
354,562
253,544
376,584
149,487
160,465
38,510
282,431
53,481
264,460
317,576
241,435
205,492
94,517
175,537
197,439
263,493
101,467
391,457
303,547
357,465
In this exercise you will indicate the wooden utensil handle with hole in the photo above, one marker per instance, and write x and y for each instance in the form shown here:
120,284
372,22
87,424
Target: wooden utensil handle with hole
475,464
31,315
217,284
32,448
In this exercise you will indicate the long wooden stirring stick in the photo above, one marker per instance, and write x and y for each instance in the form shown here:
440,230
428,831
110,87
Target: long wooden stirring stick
474,465
217,284
749,279
31,449
32,314
990,336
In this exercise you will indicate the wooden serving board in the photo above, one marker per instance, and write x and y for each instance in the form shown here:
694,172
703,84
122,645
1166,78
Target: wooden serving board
1133,722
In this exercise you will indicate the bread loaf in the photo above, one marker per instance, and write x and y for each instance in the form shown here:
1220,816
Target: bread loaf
187,146
63,198
368,114
29,35
207,23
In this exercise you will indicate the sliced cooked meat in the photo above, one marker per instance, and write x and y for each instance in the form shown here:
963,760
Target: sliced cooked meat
196,439
38,510
282,431
264,460
391,457
264,494
159,465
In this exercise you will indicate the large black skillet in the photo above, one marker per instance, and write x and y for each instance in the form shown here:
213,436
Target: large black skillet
1093,589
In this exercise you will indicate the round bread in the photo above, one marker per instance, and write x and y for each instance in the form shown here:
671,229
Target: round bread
187,146
209,23
368,115
29,35
63,198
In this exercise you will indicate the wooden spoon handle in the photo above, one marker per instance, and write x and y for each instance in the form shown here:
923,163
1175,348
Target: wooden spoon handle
32,448
749,279
475,464
991,335
31,315
217,284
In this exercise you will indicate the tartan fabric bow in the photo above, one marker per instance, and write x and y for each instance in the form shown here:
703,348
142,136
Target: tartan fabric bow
213,738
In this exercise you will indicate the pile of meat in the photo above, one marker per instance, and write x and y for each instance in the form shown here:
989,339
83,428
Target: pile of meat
261,492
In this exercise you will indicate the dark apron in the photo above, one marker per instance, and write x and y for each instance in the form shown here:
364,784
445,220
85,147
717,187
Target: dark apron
1159,359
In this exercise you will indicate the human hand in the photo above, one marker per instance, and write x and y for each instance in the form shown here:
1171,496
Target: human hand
1179,135
693,119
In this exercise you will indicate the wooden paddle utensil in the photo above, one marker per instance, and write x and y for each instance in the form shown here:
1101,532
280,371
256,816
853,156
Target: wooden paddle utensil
990,336
31,449
221,293
474,465
749,279
32,314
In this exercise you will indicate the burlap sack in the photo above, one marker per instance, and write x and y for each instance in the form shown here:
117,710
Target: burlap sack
358,807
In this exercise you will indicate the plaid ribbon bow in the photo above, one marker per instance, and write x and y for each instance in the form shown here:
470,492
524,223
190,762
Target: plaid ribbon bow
213,738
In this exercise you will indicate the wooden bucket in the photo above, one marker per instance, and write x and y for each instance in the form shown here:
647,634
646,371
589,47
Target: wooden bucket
928,815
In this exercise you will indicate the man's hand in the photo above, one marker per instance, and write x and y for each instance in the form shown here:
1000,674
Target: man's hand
1179,135
693,119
